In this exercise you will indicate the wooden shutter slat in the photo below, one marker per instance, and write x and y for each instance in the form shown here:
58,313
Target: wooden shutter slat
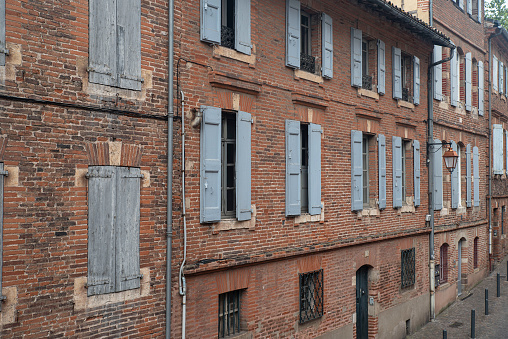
438,174
397,73
293,33
314,169
469,76
476,175
416,171
242,27
454,82
382,170
129,44
481,84
438,73
210,25
293,168
468,175
397,171
455,181
243,166
356,171
381,64
416,85
327,46
497,148
495,74
356,57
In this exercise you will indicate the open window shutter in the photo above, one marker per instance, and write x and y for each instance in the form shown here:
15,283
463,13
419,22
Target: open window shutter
468,175
480,9
481,84
210,179
128,183
397,171
210,26
455,181
470,7
3,46
416,96
293,33
314,169
243,166
438,175
468,81
381,67
454,81
476,175
242,26
416,171
397,73
438,73
2,176
128,39
101,229
102,42
501,76
327,32
461,4
382,170
495,79
293,168
497,148
356,171
356,57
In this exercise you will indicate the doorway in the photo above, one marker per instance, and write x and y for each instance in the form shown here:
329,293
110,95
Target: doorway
362,303
459,278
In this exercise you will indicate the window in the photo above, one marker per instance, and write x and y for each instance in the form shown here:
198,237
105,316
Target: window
363,59
113,229
401,158
311,295
475,252
229,313
459,175
407,269
365,161
497,149
406,76
404,172
454,78
502,219
304,146
115,44
307,61
227,31
443,263
228,155
366,54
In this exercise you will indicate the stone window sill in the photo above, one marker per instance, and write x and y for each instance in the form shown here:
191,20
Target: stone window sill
368,93
220,51
369,212
306,217
406,104
233,224
299,74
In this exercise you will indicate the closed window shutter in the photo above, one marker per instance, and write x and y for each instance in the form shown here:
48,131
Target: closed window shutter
476,175
501,76
416,70
480,9
356,171
327,46
468,81
243,166
382,170
468,175
481,84
470,7
242,26
497,148
129,44
397,73
314,169
438,175
210,26
381,67
293,33
454,81
3,46
210,178
461,4
397,171
416,171
494,73
293,168
101,229
356,57
455,181
438,73
128,182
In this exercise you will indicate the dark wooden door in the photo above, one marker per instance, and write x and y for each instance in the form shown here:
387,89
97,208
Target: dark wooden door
362,303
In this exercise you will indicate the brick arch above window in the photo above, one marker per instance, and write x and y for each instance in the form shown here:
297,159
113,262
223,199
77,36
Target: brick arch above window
113,153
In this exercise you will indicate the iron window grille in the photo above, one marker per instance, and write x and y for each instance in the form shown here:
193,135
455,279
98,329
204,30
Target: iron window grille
405,94
437,275
475,253
367,82
311,295
307,63
407,267
227,38
443,272
229,313
228,163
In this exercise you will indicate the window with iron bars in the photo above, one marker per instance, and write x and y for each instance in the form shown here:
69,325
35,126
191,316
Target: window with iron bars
229,313
437,275
311,296
407,271
228,24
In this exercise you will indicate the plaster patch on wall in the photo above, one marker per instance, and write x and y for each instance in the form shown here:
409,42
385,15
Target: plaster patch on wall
8,313
145,182
12,180
80,177
115,153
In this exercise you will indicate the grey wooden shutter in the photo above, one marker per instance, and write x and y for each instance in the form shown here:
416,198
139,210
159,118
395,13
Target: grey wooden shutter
2,175
327,45
468,175
101,229
469,75
454,81
314,169
481,84
293,168
356,57
416,171
210,26
416,85
128,182
102,42
461,4
3,45
243,166
476,175
293,33
242,26
129,44
397,171
438,175
480,9
455,181
438,73
382,170
497,148
397,73
381,67
356,171
506,155
495,75
470,7
501,76
210,178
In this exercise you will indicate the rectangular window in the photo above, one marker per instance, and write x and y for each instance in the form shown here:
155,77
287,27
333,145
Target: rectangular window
502,219
228,24
228,143
443,263
229,313
366,77
304,145
307,58
407,270
406,77
404,172
311,295
365,165
475,252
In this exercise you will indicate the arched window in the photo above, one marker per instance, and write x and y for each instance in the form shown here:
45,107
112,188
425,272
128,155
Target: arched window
475,253
443,263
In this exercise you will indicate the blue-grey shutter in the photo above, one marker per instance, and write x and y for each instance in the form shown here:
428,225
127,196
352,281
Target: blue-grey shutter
501,76
381,67
468,175
356,171
397,73
101,229
470,7
461,4
3,46
438,175
327,45
480,9
242,26
497,148
416,88
438,73
293,168
314,169
469,75
210,178
356,57
506,155
454,81
243,166
128,183
102,42
128,41
495,75
455,181
476,175
382,170
397,171
416,171
293,33
481,84
210,25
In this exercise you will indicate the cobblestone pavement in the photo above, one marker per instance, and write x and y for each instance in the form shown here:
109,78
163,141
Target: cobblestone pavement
456,319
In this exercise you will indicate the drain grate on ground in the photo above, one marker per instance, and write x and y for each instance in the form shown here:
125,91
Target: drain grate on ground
456,324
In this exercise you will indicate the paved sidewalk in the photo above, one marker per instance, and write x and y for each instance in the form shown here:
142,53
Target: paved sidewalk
456,319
